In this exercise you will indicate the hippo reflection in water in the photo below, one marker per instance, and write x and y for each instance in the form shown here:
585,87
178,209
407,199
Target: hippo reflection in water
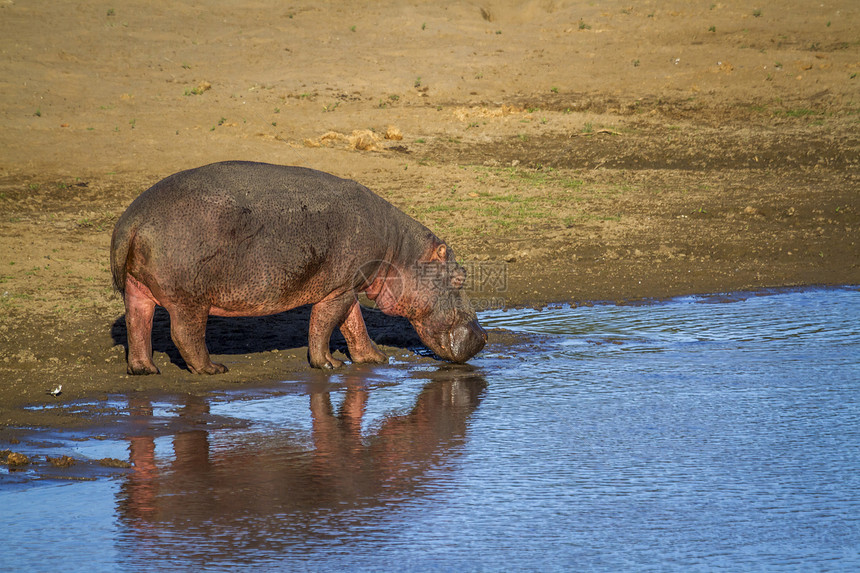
212,488
252,239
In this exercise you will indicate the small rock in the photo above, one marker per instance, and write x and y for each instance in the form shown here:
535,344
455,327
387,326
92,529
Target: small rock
61,462
13,458
113,463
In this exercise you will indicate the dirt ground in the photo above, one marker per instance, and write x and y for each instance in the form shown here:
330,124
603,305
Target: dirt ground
568,151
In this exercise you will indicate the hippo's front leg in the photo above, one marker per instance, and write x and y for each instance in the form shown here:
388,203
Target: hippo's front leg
325,316
361,347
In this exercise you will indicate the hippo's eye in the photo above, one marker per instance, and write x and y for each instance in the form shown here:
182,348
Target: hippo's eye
458,277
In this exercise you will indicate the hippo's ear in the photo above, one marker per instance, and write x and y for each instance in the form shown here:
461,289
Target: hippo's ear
440,253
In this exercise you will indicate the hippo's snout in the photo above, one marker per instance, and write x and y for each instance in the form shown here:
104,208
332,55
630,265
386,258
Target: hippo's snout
466,340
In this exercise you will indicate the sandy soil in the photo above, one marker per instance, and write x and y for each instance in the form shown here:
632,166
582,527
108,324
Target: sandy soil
569,151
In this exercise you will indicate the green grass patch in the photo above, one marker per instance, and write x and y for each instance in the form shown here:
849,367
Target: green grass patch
520,200
799,112
441,208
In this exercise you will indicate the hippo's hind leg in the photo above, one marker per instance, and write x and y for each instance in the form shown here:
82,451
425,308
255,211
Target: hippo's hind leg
188,331
139,310
361,347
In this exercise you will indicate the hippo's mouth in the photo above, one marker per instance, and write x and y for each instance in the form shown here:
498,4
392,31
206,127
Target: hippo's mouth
458,344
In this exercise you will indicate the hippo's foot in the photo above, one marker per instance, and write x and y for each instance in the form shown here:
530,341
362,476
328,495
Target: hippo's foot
142,369
211,368
328,362
370,355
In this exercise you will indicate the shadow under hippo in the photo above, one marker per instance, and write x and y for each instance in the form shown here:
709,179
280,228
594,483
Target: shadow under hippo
284,331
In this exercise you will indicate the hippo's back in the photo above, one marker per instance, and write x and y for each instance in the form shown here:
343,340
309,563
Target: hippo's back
222,200
246,213
252,185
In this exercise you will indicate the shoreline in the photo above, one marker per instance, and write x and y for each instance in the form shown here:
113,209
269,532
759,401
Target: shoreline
26,404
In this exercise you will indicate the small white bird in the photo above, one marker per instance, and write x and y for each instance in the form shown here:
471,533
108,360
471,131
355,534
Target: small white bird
56,391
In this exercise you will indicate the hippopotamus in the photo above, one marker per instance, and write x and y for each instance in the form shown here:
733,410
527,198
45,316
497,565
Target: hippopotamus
250,239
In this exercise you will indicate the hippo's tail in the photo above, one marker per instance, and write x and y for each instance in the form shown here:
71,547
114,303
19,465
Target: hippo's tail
120,243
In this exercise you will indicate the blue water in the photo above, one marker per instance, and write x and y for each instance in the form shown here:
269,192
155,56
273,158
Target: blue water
700,433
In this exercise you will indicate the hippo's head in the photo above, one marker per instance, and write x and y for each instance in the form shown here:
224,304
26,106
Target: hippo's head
431,295
447,323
